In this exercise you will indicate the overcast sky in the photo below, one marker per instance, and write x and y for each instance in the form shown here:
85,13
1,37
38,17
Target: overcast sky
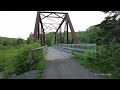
20,23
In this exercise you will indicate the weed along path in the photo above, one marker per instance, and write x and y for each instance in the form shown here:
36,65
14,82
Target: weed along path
1,75
61,66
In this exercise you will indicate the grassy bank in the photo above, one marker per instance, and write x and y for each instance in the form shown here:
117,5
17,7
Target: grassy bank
15,59
104,61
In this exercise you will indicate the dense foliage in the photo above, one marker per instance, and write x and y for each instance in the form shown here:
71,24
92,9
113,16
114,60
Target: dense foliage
15,59
14,56
106,59
110,31
108,43
50,38
4,41
88,36
30,39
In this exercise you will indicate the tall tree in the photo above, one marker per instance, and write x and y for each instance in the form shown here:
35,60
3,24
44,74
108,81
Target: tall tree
30,39
110,29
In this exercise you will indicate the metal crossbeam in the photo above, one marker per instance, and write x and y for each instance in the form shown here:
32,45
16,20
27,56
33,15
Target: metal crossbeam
52,12
58,38
61,24
46,16
59,16
50,19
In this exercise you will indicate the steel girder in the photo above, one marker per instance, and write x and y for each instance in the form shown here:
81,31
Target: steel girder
39,27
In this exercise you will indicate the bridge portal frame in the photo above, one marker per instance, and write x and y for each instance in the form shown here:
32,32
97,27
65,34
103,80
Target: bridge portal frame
39,30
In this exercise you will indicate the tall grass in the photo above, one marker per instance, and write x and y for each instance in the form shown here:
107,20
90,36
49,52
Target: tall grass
15,59
105,60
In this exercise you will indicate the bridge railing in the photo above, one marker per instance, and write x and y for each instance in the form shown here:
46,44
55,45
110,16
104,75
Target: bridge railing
71,48
43,48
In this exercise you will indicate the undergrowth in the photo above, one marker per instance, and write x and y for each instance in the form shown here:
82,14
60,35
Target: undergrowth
105,60
15,59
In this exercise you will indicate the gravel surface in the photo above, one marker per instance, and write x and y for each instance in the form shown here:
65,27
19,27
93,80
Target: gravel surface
61,66
27,75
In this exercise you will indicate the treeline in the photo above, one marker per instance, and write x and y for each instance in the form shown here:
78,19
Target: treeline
15,56
108,44
88,36
50,38
5,41
110,29
14,60
106,35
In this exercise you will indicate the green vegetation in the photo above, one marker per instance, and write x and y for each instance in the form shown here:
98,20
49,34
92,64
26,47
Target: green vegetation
4,41
14,52
14,59
30,39
106,59
108,43
50,38
6,54
89,36
87,59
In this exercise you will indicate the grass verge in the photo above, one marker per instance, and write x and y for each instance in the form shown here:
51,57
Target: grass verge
104,62
15,59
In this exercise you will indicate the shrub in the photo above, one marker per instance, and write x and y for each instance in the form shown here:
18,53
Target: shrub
105,60
109,59
88,59
20,62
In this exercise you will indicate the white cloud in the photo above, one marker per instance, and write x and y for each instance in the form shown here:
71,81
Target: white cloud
20,23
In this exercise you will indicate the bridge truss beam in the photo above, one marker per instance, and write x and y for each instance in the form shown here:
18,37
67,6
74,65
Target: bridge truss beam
39,31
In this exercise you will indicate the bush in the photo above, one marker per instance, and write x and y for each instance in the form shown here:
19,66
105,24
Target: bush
5,47
109,59
105,60
20,62
17,64
88,59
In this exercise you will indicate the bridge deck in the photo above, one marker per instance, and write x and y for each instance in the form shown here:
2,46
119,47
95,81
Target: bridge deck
61,66
53,54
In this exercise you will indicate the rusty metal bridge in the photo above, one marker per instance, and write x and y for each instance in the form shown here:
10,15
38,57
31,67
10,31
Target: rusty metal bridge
53,21
59,64
60,25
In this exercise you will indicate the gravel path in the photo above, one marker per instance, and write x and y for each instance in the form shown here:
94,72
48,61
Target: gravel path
60,66
53,54
27,75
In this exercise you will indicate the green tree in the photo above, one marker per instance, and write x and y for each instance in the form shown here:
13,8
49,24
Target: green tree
50,38
88,36
5,43
19,41
30,39
110,29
